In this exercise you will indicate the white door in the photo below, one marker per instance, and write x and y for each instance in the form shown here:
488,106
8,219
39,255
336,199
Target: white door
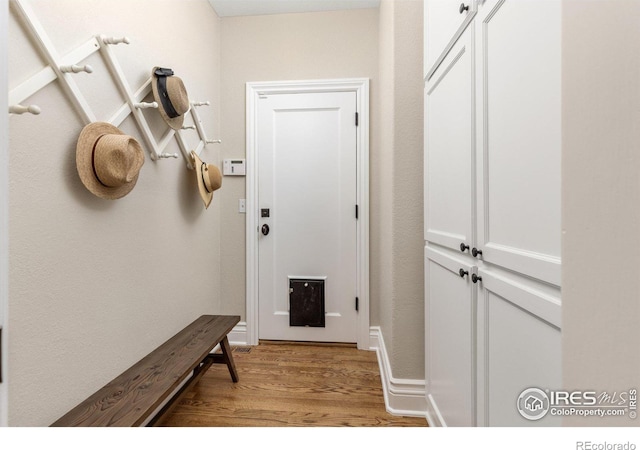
450,337
306,147
519,136
449,150
445,20
519,347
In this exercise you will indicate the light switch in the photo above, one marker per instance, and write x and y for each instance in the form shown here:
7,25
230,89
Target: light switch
242,206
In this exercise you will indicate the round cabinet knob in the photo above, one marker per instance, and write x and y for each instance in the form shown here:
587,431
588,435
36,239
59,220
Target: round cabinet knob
475,278
463,272
475,252
463,247
463,8
265,229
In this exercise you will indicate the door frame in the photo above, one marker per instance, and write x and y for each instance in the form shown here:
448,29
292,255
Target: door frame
253,92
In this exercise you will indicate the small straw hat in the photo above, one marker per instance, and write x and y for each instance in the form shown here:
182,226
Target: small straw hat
108,161
209,178
170,94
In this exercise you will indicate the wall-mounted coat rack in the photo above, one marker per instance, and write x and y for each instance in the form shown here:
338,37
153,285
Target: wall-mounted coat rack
64,68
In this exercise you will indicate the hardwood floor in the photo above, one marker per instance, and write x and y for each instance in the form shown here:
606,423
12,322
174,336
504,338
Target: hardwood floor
288,385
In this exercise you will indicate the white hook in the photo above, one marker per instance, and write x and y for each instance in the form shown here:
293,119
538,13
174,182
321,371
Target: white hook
144,105
19,109
200,103
115,41
188,127
169,155
214,141
76,69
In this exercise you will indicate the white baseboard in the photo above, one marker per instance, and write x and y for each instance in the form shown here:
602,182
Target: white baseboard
433,414
238,336
402,397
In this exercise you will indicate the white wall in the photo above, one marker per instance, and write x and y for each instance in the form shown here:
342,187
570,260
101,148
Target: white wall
601,199
386,47
381,222
407,348
397,180
339,44
95,284
4,201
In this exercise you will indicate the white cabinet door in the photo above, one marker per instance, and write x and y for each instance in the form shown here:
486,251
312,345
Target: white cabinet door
449,149
519,347
518,135
449,338
492,183
444,22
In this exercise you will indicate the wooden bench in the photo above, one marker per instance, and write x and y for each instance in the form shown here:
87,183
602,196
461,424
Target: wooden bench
133,398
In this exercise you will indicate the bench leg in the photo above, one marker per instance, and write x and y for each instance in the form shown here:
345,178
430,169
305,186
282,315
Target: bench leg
198,372
228,359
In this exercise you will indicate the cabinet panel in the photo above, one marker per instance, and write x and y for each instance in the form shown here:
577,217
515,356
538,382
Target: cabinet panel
450,339
444,22
449,150
518,84
492,181
519,347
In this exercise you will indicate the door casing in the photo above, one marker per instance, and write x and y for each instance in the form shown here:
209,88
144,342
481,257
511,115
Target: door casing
253,92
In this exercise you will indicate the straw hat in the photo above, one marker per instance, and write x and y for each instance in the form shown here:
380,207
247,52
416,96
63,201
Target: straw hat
108,161
170,94
209,178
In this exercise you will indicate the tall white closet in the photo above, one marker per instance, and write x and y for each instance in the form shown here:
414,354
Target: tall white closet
492,208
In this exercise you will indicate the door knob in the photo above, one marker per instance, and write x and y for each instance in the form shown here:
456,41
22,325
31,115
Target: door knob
463,272
265,229
475,278
475,252
463,247
463,8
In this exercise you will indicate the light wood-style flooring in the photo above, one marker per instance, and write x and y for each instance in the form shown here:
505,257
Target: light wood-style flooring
287,385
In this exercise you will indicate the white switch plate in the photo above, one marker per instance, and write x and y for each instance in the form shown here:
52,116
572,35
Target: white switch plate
242,206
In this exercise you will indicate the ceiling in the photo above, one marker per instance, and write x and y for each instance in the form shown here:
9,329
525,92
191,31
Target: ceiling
229,8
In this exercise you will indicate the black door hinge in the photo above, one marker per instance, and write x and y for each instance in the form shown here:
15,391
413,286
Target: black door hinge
356,119
356,211
357,303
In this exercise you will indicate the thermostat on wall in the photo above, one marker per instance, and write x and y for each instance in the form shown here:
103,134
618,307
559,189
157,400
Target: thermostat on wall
234,167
